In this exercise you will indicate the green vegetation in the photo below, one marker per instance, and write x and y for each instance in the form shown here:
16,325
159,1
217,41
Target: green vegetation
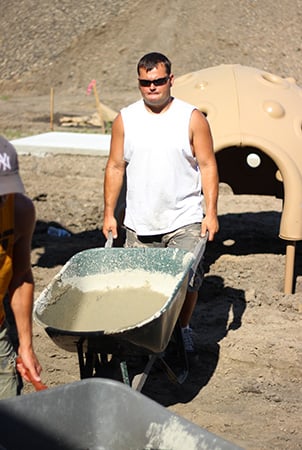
10,134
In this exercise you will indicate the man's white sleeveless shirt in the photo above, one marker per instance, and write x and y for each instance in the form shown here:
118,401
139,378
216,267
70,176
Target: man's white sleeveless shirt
163,178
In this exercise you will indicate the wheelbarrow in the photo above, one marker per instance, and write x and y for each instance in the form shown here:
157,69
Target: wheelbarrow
115,306
98,414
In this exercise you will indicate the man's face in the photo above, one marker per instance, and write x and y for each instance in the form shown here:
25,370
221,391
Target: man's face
155,96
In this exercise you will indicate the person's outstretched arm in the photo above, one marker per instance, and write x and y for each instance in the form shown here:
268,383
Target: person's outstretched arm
21,289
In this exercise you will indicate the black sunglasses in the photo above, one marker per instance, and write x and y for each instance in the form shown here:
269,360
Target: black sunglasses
157,82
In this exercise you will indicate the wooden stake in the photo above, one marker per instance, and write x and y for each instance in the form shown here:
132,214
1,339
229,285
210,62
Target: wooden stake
98,106
51,107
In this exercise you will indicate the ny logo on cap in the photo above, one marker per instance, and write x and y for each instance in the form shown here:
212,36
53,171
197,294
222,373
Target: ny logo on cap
5,162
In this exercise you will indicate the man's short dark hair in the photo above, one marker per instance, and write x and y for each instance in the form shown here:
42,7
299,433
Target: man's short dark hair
151,60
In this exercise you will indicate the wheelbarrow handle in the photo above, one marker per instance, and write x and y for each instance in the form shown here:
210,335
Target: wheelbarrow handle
38,385
198,253
109,242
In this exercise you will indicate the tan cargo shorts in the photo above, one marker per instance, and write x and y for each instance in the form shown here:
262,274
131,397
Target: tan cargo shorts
185,238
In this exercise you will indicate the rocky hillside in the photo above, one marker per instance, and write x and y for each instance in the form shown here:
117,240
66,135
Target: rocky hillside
66,44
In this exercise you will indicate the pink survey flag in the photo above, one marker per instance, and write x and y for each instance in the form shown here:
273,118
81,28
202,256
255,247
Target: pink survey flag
90,87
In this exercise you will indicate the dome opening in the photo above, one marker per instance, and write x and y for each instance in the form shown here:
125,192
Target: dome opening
248,170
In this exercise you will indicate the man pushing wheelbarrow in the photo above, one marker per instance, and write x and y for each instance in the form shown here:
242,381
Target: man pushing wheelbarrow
164,147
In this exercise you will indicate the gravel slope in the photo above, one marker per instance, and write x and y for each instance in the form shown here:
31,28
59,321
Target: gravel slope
66,44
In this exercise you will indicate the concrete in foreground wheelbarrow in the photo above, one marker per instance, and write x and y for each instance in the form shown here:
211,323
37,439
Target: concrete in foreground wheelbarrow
98,414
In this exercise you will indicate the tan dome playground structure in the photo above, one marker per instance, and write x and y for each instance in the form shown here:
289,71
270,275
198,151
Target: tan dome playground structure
256,122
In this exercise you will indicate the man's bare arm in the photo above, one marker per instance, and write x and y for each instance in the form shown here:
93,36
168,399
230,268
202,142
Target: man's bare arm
202,144
114,176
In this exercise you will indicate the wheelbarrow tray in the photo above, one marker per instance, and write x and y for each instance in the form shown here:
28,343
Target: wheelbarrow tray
151,334
98,414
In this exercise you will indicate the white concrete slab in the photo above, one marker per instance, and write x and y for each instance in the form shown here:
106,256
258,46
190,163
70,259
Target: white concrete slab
63,142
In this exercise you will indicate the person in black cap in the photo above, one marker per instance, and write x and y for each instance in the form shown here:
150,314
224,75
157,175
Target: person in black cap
17,221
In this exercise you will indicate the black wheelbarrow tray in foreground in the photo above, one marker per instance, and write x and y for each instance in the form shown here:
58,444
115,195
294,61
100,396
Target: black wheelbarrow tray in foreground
108,302
98,414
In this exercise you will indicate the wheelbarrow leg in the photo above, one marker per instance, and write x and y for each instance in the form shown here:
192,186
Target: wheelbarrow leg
81,357
183,358
140,379
88,362
182,352
179,378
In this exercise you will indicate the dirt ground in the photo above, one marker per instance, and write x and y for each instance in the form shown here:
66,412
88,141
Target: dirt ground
245,385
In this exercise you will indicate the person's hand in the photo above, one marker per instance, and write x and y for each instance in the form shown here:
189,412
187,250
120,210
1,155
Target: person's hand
28,366
110,224
210,224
